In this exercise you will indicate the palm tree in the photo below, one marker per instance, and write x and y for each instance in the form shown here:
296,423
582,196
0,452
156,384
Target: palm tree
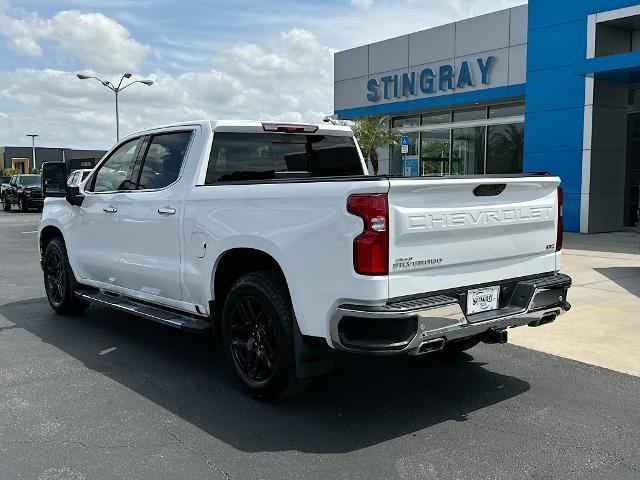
372,133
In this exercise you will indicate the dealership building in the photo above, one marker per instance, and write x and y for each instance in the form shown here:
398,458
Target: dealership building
550,86
21,158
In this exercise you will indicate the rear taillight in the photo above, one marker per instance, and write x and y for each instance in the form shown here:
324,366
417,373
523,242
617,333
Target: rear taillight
371,247
560,226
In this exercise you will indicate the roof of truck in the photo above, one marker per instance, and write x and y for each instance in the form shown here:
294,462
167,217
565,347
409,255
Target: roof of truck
251,126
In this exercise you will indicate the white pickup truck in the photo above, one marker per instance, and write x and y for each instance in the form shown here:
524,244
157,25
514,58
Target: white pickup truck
276,238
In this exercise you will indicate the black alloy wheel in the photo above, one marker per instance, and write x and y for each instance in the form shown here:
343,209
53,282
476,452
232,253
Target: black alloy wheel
59,281
258,327
253,340
54,277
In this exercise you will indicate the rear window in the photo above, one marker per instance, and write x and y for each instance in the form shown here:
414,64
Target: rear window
260,156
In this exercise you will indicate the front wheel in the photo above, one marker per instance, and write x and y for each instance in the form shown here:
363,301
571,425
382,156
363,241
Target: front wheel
6,205
59,282
22,205
258,336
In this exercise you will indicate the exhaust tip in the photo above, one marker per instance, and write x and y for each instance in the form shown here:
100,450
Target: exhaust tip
430,346
545,319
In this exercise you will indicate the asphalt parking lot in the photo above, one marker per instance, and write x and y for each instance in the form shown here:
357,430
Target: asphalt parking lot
105,395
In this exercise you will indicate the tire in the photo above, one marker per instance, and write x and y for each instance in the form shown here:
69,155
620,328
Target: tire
258,336
6,205
22,206
459,346
59,282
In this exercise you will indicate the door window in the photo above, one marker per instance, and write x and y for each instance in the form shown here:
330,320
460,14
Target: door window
468,151
434,152
505,148
114,174
163,160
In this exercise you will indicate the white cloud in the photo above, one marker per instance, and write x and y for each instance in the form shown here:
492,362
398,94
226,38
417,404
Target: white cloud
93,38
362,3
286,78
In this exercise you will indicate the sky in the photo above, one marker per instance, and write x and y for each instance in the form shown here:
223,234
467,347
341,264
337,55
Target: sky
239,59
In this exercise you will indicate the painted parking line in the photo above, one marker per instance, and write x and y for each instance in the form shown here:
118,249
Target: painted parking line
32,231
107,350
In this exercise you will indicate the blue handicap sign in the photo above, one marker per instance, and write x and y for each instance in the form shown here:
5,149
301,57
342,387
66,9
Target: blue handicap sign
404,140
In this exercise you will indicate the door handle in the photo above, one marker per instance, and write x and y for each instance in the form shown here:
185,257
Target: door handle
166,211
110,210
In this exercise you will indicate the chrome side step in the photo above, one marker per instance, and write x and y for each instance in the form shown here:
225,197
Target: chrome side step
156,314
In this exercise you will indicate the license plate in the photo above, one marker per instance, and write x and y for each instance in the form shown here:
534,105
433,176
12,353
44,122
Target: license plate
482,299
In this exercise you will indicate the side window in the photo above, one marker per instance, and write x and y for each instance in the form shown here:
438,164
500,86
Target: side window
13,181
115,172
163,160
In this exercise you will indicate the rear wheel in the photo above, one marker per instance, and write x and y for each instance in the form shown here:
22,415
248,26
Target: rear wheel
258,336
59,282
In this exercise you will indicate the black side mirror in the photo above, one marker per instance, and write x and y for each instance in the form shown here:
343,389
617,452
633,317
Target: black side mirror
73,195
54,182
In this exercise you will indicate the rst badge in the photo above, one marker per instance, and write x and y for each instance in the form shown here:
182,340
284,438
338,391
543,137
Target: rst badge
482,299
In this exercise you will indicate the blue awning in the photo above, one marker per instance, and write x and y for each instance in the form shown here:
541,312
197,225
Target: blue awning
622,67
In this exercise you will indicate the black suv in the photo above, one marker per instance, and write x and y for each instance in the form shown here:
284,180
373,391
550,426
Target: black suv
4,183
24,191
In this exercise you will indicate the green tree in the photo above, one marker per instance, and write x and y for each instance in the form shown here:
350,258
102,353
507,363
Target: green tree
7,172
372,133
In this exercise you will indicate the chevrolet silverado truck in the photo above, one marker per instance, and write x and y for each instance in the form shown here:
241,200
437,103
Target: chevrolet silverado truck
275,237
24,191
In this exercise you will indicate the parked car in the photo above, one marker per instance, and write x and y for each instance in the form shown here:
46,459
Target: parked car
77,176
275,236
25,191
4,184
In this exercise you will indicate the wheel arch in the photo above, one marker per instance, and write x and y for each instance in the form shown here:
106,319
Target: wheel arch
229,266
47,234
312,356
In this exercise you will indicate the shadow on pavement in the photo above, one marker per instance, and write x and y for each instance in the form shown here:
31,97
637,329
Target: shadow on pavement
365,402
627,277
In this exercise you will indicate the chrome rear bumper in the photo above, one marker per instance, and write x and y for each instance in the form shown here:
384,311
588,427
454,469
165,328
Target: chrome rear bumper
420,325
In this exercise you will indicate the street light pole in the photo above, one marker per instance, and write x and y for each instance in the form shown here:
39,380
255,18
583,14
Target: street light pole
116,90
33,147
117,118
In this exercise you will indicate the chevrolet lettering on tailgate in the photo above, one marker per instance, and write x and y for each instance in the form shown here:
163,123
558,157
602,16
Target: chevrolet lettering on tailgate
438,221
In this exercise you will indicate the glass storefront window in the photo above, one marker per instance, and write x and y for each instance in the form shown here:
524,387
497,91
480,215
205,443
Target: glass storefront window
403,122
461,151
468,151
506,110
505,144
434,118
467,114
398,163
434,153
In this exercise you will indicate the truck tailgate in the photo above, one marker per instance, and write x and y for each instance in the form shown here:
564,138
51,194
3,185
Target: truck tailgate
453,232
